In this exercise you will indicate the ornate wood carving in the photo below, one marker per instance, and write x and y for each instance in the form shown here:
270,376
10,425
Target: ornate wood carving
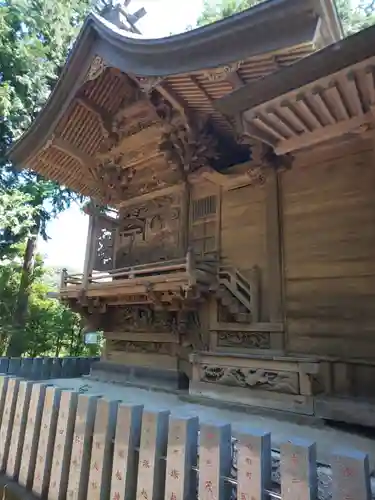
149,232
244,340
142,319
144,347
148,83
97,67
190,148
218,74
251,378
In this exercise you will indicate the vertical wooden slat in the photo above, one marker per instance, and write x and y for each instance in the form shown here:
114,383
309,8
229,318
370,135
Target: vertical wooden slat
273,245
3,392
298,470
151,470
214,461
253,465
125,455
181,457
46,441
30,445
81,449
18,429
101,459
351,476
7,420
63,446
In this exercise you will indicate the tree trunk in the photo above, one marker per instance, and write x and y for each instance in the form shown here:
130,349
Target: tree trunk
18,342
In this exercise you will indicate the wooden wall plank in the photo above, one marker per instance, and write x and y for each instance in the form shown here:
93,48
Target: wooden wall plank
328,211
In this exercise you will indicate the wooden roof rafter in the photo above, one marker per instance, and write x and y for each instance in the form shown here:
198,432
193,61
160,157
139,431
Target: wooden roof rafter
334,105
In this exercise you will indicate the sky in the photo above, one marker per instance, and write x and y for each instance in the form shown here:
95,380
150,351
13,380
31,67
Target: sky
68,232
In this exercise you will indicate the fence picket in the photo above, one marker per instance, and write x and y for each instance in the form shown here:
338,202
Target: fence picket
181,458
298,470
81,448
46,441
351,476
151,470
125,455
253,465
63,446
3,392
30,445
214,461
101,460
7,420
18,430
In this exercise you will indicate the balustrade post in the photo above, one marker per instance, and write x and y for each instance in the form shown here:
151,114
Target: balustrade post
90,247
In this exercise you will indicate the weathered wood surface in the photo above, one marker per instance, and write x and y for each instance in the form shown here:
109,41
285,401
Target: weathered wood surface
157,455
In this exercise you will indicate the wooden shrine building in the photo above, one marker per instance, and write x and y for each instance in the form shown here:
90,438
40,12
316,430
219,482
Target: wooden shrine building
232,216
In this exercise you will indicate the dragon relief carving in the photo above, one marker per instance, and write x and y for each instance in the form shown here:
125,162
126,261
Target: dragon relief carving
251,378
247,340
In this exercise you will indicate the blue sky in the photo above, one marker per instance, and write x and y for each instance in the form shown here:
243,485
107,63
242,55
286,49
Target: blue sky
68,232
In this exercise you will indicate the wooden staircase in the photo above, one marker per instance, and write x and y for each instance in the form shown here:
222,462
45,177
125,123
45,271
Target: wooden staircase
238,295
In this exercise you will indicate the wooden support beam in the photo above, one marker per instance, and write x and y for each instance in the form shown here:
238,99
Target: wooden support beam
293,118
281,124
70,149
105,119
310,116
324,134
273,248
321,105
262,124
334,96
370,84
174,99
354,101
147,196
254,132
235,80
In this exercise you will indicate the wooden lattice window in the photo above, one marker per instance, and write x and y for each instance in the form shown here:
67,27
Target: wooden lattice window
204,225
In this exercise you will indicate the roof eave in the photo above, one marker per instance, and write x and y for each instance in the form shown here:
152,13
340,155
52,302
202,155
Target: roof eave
329,60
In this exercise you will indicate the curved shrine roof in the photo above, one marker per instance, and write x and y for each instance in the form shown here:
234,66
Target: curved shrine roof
108,111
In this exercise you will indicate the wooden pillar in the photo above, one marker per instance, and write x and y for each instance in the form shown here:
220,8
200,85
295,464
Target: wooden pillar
90,247
273,245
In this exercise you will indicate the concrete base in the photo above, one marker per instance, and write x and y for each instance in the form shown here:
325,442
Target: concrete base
352,411
149,378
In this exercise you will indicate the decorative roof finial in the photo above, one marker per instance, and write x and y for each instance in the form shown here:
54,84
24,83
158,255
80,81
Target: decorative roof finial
117,13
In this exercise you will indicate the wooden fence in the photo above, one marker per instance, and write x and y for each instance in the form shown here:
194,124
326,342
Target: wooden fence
46,368
63,445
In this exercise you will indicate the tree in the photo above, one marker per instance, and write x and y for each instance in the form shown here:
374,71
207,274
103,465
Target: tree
220,9
354,15
32,52
51,328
